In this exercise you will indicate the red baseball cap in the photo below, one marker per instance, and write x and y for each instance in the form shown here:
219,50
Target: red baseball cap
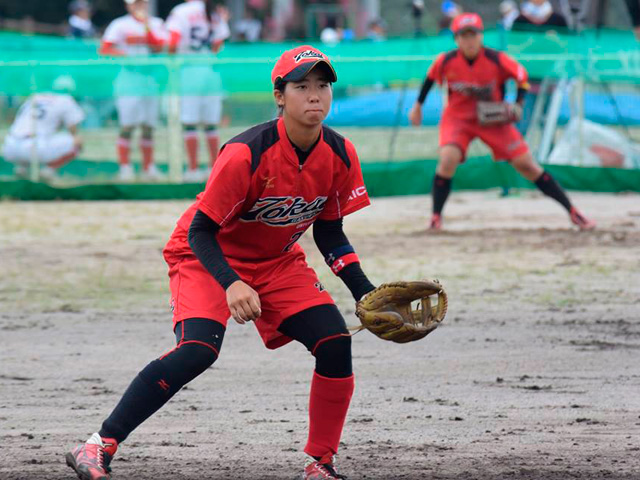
295,64
467,21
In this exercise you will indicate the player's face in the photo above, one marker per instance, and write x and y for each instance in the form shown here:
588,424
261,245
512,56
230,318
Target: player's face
139,9
469,42
309,100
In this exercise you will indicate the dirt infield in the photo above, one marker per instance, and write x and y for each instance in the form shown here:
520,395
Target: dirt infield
534,374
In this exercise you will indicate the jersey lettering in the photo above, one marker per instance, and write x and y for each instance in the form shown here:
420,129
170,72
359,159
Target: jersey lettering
357,192
481,92
284,211
199,38
294,238
307,54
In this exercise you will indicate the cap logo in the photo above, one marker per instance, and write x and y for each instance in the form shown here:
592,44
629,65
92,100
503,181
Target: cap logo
307,54
467,20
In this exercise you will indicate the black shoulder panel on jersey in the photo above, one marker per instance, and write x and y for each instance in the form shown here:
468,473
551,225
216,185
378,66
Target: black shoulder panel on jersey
259,139
337,144
449,56
493,55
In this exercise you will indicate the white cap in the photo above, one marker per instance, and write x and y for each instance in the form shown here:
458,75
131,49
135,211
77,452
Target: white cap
64,83
131,2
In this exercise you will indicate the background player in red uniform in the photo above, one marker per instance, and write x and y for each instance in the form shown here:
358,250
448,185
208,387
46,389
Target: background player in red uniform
475,73
234,253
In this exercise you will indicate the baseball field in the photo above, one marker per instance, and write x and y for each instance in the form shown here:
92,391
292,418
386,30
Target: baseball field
532,376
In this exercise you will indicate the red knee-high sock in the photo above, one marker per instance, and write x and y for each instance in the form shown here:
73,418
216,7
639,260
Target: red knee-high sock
124,147
213,141
191,145
328,404
146,147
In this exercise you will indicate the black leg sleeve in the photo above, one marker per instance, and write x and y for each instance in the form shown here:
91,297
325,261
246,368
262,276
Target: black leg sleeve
441,190
324,332
547,185
198,345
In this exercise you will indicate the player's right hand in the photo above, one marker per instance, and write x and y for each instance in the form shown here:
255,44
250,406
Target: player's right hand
415,115
243,302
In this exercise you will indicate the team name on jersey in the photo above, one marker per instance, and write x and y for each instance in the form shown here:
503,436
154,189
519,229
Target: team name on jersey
481,92
284,211
307,54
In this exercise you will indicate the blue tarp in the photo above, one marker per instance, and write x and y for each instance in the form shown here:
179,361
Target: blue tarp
382,109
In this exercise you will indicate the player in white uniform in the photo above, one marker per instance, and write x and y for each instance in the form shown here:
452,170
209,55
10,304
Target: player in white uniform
195,27
135,34
45,129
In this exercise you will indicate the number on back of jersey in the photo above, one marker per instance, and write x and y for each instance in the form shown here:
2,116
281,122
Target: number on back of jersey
200,38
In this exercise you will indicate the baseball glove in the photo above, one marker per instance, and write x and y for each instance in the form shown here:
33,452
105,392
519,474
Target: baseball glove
498,113
387,311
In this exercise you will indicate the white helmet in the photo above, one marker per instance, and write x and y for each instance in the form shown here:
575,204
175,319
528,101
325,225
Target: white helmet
64,84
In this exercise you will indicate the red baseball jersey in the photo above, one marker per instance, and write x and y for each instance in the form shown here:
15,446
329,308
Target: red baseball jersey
264,200
482,79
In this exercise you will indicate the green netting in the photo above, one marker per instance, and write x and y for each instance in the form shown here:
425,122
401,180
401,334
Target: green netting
377,84
382,179
31,64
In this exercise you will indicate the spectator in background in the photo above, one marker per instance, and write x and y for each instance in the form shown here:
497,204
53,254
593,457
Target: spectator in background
450,10
248,28
509,12
536,15
377,30
539,14
332,34
634,11
417,10
80,25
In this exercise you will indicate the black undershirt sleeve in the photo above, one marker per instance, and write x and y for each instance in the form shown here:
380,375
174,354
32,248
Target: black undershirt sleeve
203,242
634,11
426,86
521,93
329,235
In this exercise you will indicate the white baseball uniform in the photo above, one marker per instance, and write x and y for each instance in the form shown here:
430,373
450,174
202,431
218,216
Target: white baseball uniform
136,89
200,85
36,129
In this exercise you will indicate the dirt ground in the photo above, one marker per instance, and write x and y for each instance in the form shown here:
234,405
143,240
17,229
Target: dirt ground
533,375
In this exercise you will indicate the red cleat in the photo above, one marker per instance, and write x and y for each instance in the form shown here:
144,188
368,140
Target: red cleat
321,471
436,221
580,220
91,460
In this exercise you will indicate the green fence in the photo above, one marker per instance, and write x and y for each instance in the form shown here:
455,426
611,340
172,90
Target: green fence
386,74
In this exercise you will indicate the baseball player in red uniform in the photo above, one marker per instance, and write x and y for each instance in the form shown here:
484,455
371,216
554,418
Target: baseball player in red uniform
476,73
234,253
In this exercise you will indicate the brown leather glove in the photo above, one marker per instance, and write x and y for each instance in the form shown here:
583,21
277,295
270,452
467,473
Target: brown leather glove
387,311
498,113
